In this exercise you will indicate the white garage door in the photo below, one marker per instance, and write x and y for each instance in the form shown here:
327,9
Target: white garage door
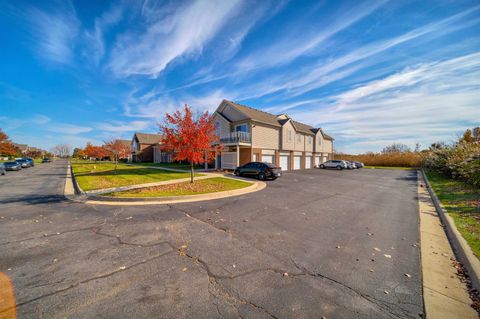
325,158
267,158
317,160
229,160
308,162
284,160
297,162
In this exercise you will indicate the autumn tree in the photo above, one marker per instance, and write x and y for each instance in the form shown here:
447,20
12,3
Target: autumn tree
189,138
6,146
116,149
93,151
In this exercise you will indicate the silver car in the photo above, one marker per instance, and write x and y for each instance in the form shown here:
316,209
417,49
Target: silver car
337,164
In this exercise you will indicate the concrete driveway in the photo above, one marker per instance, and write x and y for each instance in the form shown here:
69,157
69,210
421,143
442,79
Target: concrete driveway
313,243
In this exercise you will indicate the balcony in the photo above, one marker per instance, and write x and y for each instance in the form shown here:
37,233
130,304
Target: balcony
236,138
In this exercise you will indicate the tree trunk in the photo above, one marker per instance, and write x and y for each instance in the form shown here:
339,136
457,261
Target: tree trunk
191,172
116,160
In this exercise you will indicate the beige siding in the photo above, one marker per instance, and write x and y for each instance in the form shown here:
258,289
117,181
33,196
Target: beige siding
265,137
328,146
233,114
319,141
309,147
299,143
286,144
224,124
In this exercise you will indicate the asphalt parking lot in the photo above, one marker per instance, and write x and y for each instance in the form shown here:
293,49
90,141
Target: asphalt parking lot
314,243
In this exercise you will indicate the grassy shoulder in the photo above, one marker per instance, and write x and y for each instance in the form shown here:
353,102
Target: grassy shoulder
172,165
392,167
203,186
462,203
98,175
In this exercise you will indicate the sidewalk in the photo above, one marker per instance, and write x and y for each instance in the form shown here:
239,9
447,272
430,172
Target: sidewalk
445,295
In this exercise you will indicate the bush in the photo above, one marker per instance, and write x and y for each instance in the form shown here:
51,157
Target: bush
394,159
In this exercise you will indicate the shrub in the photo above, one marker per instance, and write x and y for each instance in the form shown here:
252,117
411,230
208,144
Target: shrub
395,159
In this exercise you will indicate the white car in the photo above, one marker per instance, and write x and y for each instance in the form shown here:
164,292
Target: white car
337,164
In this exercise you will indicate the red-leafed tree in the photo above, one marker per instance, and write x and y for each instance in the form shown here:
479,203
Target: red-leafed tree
6,146
189,138
96,152
116,149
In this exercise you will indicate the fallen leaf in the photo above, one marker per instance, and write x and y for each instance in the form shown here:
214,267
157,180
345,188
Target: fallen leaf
285,274
123,268
370,234
377,249
408,275
234,266
184,269
337,247
385,292
387,256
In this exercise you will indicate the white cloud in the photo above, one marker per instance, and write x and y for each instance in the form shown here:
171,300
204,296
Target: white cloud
170,37
67,129
423,104
55,31
119,127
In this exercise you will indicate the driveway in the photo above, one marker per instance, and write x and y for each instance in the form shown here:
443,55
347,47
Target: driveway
313,243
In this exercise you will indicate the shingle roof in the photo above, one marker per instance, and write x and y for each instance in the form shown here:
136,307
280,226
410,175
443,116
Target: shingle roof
125,142
304,128
145,138
255,114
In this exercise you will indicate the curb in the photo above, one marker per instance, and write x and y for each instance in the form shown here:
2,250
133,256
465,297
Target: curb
104,200
462,250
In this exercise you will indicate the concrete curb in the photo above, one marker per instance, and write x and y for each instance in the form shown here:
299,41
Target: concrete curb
104,200
136,186
460,246
172,169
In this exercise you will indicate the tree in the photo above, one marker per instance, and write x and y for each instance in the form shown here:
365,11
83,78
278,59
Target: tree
96,152
116,149
62,150
417,147
396,148
6,146
188,138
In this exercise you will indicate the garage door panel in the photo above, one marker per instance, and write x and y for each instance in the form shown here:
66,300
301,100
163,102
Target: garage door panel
308,162
267,158
297,162
284,161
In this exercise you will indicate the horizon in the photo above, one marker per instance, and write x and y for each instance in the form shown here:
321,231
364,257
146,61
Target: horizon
368,74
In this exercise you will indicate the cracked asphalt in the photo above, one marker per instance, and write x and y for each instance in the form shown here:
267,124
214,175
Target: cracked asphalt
313,243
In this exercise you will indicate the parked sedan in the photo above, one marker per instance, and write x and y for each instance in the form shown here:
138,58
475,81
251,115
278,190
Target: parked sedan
46,160
2,169
351,165
359,164
337,164
259,169
12,166
30,160
23,162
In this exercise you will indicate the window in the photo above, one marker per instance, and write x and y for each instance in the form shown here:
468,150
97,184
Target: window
218,129
241,128
289,135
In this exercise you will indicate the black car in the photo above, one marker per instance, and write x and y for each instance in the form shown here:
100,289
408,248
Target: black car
2,169
12,166
46,160
23,162
259,169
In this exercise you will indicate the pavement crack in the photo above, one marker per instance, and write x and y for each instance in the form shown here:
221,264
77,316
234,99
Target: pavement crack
74,285
122,242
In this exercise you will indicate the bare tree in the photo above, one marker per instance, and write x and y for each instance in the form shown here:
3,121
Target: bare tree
62,150
116,149
396,148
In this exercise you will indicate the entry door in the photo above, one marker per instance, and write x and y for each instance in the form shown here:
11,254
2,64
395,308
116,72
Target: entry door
308,162
297,162
317,160
284,161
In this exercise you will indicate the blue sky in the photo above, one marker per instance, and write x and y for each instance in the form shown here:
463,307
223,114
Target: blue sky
369,73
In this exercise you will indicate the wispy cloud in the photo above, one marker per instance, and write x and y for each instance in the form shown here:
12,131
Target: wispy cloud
418,104
54,31
120,127
170,37
67,129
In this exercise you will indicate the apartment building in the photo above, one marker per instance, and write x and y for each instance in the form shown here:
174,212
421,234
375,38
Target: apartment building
248,134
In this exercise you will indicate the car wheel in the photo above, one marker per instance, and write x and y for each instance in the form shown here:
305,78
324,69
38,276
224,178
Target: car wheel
237,173
339,167
261,176
322,166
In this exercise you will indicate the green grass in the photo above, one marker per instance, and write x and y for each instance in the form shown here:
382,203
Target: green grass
98,175
173,165
392,167
462,203
203,186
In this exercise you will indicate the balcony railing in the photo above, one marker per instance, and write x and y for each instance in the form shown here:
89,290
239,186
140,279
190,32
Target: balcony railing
236,137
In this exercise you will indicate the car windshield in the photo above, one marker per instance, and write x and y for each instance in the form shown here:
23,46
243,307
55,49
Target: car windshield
11,163
270,165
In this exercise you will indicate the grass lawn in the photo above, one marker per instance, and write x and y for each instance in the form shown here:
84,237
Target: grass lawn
97,175
462,203
392,167
173,165
203,186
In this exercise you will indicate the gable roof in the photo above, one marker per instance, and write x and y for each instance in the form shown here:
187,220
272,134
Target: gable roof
304,128
124,142
145,138
254,114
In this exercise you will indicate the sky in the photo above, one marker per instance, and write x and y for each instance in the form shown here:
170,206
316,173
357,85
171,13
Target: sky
369,73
